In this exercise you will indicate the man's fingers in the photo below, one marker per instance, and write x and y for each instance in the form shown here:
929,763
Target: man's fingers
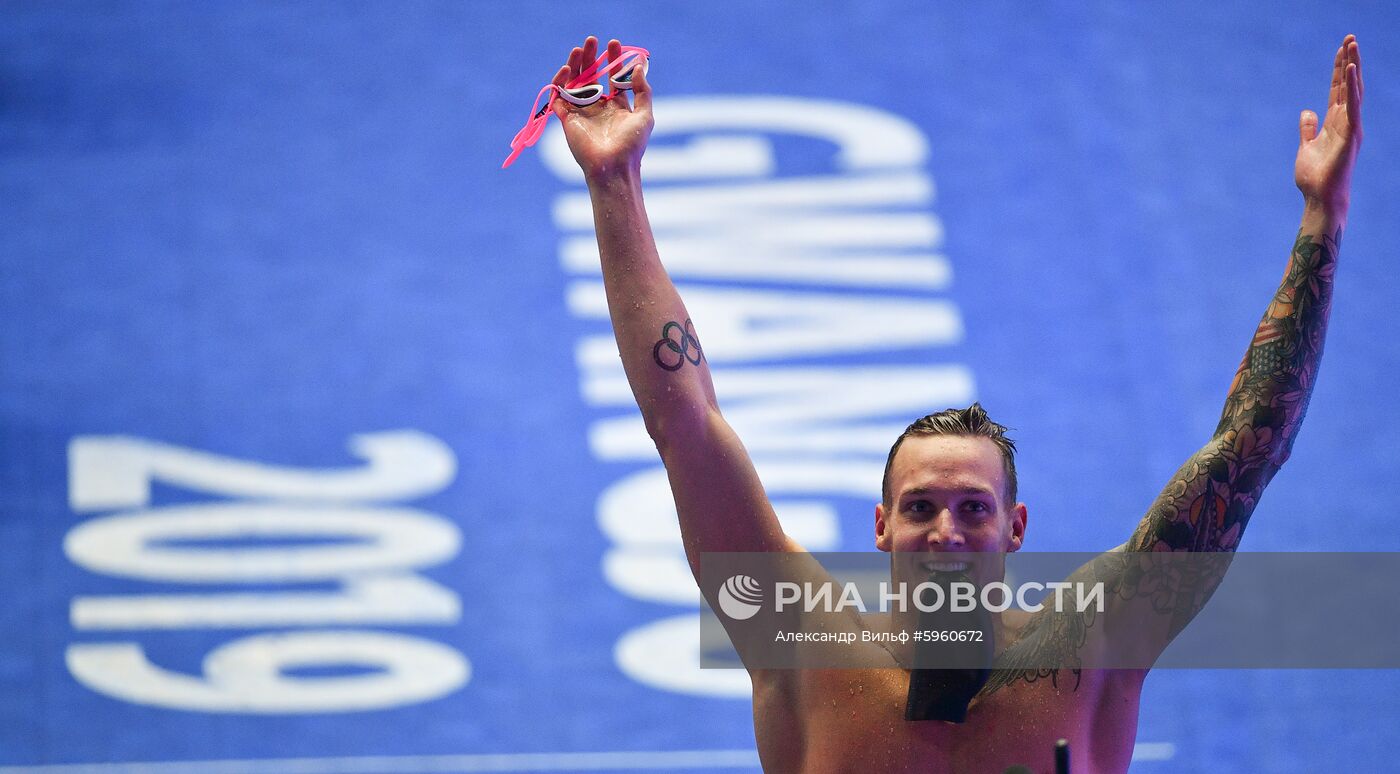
590,54
1307,127
1339,64
614,54
575,57
1356,60
557,104
1354,97
641,88
1353,89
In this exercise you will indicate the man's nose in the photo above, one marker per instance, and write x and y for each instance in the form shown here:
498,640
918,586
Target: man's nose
943,532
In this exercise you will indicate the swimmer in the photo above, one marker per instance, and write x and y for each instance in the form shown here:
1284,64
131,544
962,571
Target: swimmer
950,480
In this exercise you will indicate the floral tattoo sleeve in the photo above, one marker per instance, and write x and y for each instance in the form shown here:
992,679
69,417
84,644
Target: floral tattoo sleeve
1207,504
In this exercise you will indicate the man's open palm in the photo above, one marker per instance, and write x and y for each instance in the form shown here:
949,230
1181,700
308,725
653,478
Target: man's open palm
1325,157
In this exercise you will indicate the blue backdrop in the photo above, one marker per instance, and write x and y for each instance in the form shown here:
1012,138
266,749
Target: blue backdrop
310,453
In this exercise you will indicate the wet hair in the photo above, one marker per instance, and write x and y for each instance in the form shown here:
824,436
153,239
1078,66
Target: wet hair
970,422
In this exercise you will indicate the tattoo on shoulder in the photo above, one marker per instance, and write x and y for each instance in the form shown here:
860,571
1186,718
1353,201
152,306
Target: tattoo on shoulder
678,344
1053,643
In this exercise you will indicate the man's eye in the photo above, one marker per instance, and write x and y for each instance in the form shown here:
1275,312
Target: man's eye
976,507
919,506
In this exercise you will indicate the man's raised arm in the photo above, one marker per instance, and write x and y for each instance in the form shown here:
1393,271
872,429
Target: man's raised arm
1208,502
1206,505
721,504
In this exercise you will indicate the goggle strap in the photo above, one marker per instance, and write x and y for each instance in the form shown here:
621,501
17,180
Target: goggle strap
602,66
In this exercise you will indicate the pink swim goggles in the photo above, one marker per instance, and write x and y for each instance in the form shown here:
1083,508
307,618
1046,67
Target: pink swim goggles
583,90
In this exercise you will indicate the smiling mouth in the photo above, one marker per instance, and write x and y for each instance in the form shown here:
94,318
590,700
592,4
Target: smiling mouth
932,566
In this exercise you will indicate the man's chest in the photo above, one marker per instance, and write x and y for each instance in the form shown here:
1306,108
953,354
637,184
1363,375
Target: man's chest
853,720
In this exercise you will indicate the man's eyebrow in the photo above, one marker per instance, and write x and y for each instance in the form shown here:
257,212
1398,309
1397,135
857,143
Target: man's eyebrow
966,490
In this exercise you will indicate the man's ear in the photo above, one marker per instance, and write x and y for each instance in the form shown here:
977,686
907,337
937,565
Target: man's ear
883,539
1018,527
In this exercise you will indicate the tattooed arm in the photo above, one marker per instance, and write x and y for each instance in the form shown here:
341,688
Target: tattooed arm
1206,505
721,504
1208,502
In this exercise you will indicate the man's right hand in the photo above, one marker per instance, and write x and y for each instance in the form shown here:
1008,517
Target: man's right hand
609,136
1325,156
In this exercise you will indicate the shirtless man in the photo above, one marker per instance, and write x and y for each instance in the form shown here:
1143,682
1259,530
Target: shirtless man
952,489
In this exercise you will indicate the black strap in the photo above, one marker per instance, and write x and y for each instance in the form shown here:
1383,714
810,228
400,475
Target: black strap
956,670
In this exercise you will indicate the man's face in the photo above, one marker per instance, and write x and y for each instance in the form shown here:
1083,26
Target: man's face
948,494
